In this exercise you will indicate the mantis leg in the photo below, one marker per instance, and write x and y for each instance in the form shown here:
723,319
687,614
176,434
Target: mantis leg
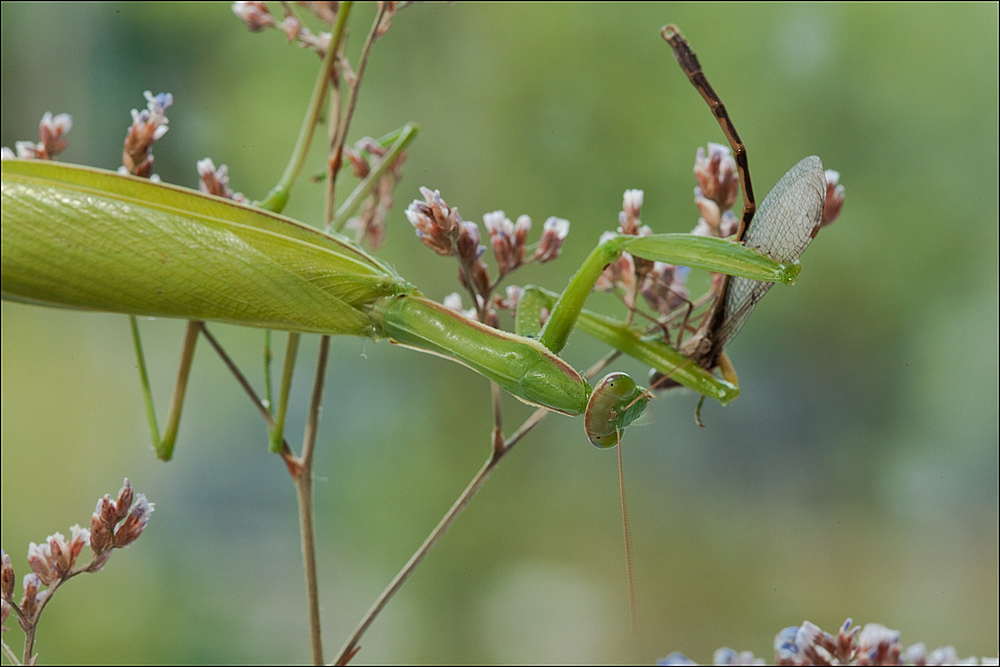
164,445
653,352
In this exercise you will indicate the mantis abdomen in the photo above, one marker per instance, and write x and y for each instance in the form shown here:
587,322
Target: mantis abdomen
81,238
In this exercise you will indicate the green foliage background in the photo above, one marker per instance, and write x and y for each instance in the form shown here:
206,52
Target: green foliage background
856,475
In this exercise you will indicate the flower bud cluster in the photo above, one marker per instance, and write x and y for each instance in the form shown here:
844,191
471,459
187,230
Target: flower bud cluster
147,126
214,181
106,533
809,645
718,184
508,240
256,16
54,560
442,229
717,177
554,232
115,524
370,226
51,139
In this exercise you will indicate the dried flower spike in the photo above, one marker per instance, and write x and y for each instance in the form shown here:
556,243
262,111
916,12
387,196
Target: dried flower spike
147,126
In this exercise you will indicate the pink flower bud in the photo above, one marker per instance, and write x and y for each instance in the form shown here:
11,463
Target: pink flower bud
79,538
501,231
7,576
51,133
135,523
628,219
834,198
124,501
716,175
292,27
29,603
360,166
41,562
255,15
554,232
60,553
101,535
435,222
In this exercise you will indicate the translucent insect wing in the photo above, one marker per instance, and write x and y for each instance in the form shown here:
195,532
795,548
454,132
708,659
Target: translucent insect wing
782,228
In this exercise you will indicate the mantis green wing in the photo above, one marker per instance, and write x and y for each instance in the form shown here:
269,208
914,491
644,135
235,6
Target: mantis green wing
84,238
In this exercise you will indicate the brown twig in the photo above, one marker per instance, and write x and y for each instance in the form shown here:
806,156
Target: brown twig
351,646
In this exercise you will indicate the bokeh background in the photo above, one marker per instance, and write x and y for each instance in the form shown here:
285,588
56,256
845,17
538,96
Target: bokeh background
856,476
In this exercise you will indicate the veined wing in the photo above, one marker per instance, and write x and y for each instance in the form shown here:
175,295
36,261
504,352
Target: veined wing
783,226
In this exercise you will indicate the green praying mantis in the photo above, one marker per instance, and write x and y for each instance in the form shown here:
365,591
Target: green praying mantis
77,237
82,238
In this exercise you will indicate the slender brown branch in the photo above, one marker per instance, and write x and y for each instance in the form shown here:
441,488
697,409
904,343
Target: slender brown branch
286,449
688,61
497,418
340,136
315,402
350,647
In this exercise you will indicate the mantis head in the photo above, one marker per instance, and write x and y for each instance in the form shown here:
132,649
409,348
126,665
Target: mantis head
615,403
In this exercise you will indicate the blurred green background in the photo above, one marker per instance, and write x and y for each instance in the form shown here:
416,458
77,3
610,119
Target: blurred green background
856,475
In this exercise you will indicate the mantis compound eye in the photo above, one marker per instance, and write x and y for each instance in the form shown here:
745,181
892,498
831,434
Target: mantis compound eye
615,403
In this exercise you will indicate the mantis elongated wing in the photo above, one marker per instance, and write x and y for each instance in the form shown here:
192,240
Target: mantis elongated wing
84,238
785,224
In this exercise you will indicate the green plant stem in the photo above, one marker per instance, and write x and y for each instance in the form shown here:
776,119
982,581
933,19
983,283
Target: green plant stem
278,197
267,370
365,187
147,392
164,445
339,136
303,491
166,449
287,370
286,449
